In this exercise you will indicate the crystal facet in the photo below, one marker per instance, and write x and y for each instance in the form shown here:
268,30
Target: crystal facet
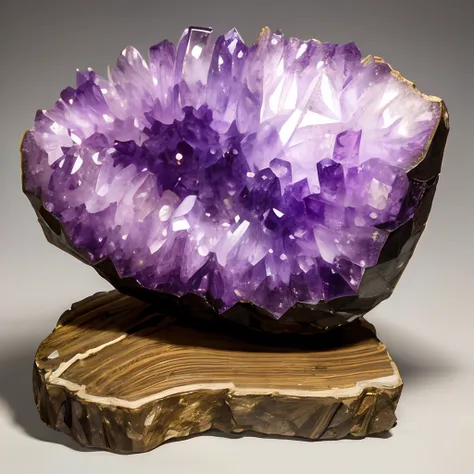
274,174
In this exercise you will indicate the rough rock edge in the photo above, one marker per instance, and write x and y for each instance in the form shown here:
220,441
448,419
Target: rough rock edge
125,431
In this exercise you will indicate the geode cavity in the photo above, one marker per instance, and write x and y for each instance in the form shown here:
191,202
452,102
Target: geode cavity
286,183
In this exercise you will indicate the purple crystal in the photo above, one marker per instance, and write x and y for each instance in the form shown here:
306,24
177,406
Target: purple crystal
271,173
346,148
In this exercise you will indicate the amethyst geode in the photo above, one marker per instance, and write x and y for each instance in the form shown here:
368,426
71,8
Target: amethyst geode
282,185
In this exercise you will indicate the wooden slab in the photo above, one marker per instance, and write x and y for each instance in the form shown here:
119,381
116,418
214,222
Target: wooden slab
118,375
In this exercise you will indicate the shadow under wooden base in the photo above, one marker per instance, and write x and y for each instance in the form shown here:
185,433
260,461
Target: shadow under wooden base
116,374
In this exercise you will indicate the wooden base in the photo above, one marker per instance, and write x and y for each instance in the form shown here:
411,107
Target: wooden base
115,374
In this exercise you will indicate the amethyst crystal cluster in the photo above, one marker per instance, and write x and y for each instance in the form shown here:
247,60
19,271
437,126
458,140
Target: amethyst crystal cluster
286,182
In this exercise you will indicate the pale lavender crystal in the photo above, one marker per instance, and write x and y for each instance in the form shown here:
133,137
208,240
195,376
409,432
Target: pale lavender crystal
269,173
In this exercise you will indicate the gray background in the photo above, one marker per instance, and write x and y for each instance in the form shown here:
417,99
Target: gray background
427,324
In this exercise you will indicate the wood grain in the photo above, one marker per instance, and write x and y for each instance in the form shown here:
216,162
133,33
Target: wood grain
119,375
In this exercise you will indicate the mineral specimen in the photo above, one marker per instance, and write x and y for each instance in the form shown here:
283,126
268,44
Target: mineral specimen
286,183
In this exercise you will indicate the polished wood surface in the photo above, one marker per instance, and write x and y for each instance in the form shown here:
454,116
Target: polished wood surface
118,374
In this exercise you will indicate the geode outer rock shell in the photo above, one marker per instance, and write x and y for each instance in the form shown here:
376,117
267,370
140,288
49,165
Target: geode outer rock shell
282,186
